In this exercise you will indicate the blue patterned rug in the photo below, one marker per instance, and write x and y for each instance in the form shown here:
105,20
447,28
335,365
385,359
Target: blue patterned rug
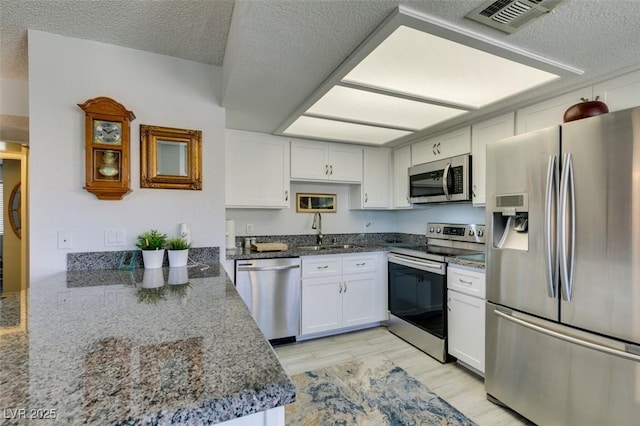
371,392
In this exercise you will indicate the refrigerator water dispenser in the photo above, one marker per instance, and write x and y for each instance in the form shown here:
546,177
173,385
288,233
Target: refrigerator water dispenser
511,222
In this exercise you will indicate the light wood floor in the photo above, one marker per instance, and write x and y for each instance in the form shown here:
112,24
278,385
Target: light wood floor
457,385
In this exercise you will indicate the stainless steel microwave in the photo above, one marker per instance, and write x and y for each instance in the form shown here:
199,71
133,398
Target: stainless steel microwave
441,181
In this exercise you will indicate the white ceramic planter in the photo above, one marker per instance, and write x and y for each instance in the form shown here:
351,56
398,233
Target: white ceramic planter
152,258
178,258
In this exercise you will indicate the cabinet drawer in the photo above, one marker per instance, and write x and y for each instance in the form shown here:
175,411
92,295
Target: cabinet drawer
360,264
316,266
467,281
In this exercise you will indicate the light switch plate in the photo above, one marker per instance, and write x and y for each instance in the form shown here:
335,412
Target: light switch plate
64,240
114,237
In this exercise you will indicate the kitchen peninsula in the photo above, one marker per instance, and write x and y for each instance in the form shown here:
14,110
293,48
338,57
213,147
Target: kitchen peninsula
103,348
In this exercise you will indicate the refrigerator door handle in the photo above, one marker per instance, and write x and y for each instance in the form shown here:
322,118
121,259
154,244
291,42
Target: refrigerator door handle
445,178
567,227
550,220
601,347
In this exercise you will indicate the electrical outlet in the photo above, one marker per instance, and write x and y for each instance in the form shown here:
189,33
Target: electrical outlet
249,228
64,240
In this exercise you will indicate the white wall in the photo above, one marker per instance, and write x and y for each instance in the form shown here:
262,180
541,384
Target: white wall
14,96
160,90
415,221
289,222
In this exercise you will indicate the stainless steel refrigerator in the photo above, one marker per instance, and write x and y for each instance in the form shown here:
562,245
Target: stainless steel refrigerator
563,272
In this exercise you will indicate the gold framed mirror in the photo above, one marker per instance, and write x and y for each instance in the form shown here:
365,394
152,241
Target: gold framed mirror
170,158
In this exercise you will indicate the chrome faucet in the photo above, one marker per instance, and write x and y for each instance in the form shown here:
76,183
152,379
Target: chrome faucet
317,224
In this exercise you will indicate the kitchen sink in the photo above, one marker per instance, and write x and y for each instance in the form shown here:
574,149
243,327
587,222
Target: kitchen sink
326,247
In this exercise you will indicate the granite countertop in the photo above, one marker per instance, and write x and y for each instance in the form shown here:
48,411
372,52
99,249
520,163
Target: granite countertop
475,261
100,347
296,252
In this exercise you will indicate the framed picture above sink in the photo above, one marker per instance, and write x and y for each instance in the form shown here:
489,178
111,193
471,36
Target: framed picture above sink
316,203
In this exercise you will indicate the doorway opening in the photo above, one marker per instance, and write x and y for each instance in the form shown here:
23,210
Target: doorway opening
14,236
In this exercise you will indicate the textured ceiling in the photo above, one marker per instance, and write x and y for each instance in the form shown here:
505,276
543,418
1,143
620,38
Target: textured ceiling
277,52
188,29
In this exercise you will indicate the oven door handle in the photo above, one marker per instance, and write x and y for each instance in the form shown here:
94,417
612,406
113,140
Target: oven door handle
421,264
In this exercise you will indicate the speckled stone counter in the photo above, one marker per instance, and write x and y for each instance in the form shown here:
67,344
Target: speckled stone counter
359,243
473,261
115,347
295,252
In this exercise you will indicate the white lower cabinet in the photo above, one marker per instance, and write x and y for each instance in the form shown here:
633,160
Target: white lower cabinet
340,291
466,316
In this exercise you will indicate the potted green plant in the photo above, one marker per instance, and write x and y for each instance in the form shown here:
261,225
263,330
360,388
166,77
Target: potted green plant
178,252
152,244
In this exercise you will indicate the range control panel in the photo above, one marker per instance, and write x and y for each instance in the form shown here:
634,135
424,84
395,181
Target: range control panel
457,232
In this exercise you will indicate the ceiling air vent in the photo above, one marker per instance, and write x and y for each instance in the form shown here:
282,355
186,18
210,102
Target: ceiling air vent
511,15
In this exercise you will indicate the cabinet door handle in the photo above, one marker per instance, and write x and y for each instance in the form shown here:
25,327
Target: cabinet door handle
326,169
322,267
345,287
331,169
366,197
434,149
286,195
361,264
340,290
438,147
465,282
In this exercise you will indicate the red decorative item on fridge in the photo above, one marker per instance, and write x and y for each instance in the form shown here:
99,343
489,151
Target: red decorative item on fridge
585,109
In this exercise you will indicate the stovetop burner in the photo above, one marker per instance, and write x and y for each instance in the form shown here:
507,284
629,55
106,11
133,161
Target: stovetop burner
446,240
433,252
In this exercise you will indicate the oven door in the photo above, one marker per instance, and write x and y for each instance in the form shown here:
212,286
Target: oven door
417,293
440,181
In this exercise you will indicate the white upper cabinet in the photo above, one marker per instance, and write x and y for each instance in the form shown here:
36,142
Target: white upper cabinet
401,164
257,170
375,191
450,144
325,161
548,113
482,133
620,93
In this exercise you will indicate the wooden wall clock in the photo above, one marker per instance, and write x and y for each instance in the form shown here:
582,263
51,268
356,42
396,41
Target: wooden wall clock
107,156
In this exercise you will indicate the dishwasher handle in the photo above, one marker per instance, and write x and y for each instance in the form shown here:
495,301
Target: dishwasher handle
250,267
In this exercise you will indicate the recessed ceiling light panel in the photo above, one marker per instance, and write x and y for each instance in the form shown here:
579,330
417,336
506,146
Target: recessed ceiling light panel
369,107
319,128
414,72
413,62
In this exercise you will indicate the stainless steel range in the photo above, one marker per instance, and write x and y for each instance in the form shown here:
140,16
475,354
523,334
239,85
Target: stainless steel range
418,284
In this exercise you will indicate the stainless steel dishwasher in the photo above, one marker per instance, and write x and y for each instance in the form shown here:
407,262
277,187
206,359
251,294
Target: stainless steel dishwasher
271,290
